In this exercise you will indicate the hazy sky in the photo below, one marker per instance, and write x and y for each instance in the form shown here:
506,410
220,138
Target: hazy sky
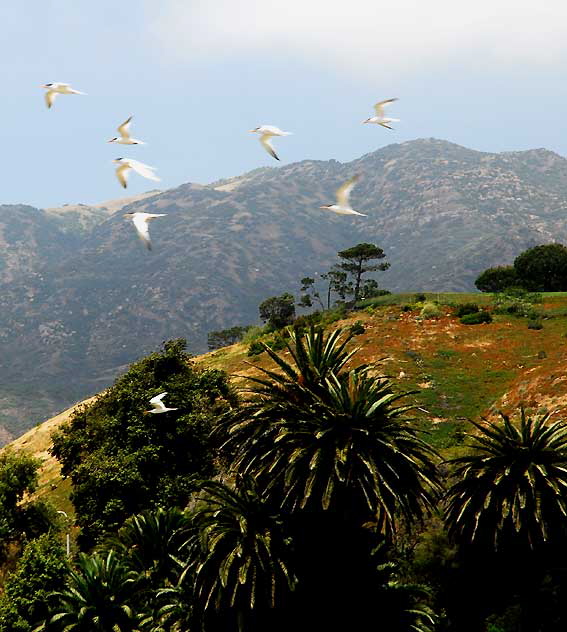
197,75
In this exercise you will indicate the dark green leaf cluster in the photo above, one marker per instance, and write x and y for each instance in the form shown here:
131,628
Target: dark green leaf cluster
41,570
538,269
121,460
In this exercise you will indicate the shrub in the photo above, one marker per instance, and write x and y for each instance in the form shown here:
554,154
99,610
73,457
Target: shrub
476,318
535,324
497,279
306,320
419,298
277,343
406,308
357,328
430,311
253,334
466,308
255,348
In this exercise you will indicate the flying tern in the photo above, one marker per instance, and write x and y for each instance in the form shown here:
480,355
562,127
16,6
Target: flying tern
125,138
126,164
53,89
158,406
379,118
266,133
343,207
140,221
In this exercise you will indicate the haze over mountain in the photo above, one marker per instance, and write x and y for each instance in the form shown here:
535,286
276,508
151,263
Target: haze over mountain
81,297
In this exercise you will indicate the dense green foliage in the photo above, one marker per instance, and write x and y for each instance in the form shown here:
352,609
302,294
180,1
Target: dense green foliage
497,279
41,570
539,269
476,318
543,268
278,311
122,461
19,518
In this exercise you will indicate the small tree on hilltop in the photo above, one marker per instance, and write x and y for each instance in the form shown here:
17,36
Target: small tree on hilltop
278,311
498,279
309,293
337,279
543,268
356,263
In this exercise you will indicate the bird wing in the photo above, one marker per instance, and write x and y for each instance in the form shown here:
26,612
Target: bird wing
157,399
379,107
265,140
143,230
50,97
124,129
144,170
343,192
122,174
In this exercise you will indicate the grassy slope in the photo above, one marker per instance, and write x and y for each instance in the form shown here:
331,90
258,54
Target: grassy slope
460,371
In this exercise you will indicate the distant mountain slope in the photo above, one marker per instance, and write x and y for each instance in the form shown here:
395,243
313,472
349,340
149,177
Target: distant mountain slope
87,301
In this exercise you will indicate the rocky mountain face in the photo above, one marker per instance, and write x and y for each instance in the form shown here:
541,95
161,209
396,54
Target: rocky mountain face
81,297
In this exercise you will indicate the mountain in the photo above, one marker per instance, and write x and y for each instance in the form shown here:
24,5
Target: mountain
83,298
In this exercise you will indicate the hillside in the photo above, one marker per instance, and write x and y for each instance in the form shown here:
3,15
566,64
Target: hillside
82,301
459,371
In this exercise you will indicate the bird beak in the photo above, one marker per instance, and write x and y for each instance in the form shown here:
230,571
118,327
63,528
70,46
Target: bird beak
251,130
128,214
323,207
110,141
366,121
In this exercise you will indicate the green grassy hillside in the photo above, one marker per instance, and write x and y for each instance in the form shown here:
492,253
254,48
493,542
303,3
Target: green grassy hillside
459,371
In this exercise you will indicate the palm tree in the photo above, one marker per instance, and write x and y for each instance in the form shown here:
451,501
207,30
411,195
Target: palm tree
320,437
513,485
97,597
150,545
149,542
239,554
507,509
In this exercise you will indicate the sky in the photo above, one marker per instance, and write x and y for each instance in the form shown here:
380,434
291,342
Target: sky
198,74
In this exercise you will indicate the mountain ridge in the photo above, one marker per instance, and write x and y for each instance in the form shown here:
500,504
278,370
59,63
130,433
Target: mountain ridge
77,306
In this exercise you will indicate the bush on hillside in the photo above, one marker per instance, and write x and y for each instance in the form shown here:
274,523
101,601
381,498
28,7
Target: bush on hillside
466,308
430,311
419,298
535,324
476,318
497,279
277,343
543,268
253,333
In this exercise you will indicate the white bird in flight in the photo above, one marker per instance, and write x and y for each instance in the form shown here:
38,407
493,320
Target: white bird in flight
126,164
379,118
140,221
266,132
343,207
53,89
125,138
158,406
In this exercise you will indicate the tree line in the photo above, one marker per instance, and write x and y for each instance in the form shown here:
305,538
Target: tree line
539,269
345,280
